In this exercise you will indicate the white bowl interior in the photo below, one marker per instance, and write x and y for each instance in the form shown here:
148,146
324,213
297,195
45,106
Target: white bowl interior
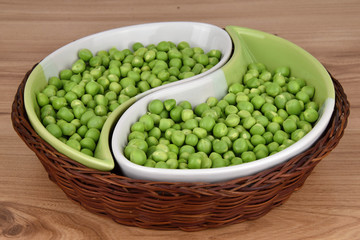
216,85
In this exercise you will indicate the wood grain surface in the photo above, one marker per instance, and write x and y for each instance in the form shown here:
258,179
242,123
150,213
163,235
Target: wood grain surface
33,207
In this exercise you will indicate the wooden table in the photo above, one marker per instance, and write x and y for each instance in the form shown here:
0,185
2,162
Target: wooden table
33,207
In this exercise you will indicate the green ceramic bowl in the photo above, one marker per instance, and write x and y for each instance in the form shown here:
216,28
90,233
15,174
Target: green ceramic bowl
196,34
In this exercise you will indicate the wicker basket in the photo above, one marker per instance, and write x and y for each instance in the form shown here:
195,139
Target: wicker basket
185,206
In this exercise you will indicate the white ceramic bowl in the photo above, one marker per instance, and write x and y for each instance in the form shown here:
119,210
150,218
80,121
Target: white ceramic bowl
247,45
202,35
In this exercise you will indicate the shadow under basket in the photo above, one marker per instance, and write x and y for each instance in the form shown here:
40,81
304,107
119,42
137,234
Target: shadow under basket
183,206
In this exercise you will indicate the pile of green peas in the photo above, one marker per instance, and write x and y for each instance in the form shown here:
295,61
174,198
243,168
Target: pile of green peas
261,115
75,104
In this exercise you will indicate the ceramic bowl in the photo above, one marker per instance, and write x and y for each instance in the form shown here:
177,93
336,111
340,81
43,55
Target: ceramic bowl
249,46
202,35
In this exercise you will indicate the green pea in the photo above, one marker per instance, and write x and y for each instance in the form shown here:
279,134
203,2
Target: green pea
54,129
203,59
92,88
96,122
231,109
279,79
220,130
309,90
68,129
312,105
70,96
311,115
183,45
139,144
66,114
298,134
249,122
48,120
293,107
278,119
191,139
155,106
204,145
293,87
93,133
165,124
236,161
257,139
159,156
65,74
288,142
55,81
150,163
273,146
176,113
285,71
138,126
42,99
152,141
248,156
178,138
101,110
218,162
143,86
187,114
280,136
212,101
200,132
85,54
74,144
273,89
244,105
257,101
82,130
172,163
280,101
78,90
220,146
257,129
306,126
261,152
194,161
232,120
78,66
58,103
61,93
88,143
138,156
123,98
268,136
239,146
265,75
147,121
136,135
190,124
230,98
289,125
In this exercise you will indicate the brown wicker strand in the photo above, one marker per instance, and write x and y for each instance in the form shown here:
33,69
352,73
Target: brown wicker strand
183,206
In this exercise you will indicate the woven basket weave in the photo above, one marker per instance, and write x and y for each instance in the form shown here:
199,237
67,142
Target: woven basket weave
184,206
